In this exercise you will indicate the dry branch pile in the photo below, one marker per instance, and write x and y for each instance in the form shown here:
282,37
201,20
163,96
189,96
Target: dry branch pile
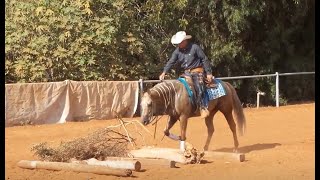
99,145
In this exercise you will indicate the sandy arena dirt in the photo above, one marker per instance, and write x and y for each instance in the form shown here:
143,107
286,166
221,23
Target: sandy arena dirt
279,144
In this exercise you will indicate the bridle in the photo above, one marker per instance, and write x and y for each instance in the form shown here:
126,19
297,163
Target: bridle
167,100
151,116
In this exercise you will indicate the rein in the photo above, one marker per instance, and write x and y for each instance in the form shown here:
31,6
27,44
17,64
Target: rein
167,101
156,119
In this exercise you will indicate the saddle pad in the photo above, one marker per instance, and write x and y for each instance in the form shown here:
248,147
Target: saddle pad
186,85
219,91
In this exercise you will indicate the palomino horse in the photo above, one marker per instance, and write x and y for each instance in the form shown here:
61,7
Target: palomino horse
171,97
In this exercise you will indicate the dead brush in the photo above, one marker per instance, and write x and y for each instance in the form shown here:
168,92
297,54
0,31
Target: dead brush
99,144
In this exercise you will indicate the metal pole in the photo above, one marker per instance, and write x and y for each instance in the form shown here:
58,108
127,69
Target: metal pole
141,90
295,73
277,89
141,86
258,99
245,77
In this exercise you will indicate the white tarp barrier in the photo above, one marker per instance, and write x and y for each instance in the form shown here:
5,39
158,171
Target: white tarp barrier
103,100
58,102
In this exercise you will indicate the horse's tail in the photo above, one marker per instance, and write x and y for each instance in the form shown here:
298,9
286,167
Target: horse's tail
238,111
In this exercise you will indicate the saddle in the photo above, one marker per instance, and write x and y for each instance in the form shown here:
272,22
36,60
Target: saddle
213,90
197,70
191,86
189,81
212,84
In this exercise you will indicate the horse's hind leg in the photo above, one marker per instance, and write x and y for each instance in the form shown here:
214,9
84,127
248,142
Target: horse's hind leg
232,126
210,129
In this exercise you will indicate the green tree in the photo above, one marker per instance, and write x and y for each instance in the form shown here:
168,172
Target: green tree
130,39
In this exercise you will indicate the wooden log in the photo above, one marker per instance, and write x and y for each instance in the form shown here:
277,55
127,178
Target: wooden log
148,162
225,155
74,167
160,153
158,162
117,163
177,155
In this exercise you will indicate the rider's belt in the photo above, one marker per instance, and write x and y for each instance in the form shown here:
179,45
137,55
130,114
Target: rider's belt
195,70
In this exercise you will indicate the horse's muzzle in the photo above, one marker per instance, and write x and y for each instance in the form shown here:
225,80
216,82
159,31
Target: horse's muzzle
145,120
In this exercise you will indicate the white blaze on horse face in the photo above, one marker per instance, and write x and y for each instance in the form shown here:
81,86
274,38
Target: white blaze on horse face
145,105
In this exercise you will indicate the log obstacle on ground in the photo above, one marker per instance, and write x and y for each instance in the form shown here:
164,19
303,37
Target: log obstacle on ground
116,163
225,155
148,162
160,153
177,155
96,169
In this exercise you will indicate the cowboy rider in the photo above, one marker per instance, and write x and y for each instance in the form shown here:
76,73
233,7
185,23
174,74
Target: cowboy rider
194,63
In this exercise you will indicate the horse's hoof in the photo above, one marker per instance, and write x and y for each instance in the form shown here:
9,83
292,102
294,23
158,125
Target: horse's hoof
166,133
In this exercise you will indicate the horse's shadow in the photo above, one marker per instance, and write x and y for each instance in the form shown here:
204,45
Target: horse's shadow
254,147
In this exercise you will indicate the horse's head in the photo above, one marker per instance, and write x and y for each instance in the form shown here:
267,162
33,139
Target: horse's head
146,108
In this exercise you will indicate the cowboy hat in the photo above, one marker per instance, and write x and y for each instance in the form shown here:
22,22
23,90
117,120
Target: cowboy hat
179,37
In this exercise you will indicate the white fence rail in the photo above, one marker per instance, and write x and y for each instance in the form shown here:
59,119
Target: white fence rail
277,75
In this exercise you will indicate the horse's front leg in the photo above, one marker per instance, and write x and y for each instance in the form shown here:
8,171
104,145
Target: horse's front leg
171,122
183,129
